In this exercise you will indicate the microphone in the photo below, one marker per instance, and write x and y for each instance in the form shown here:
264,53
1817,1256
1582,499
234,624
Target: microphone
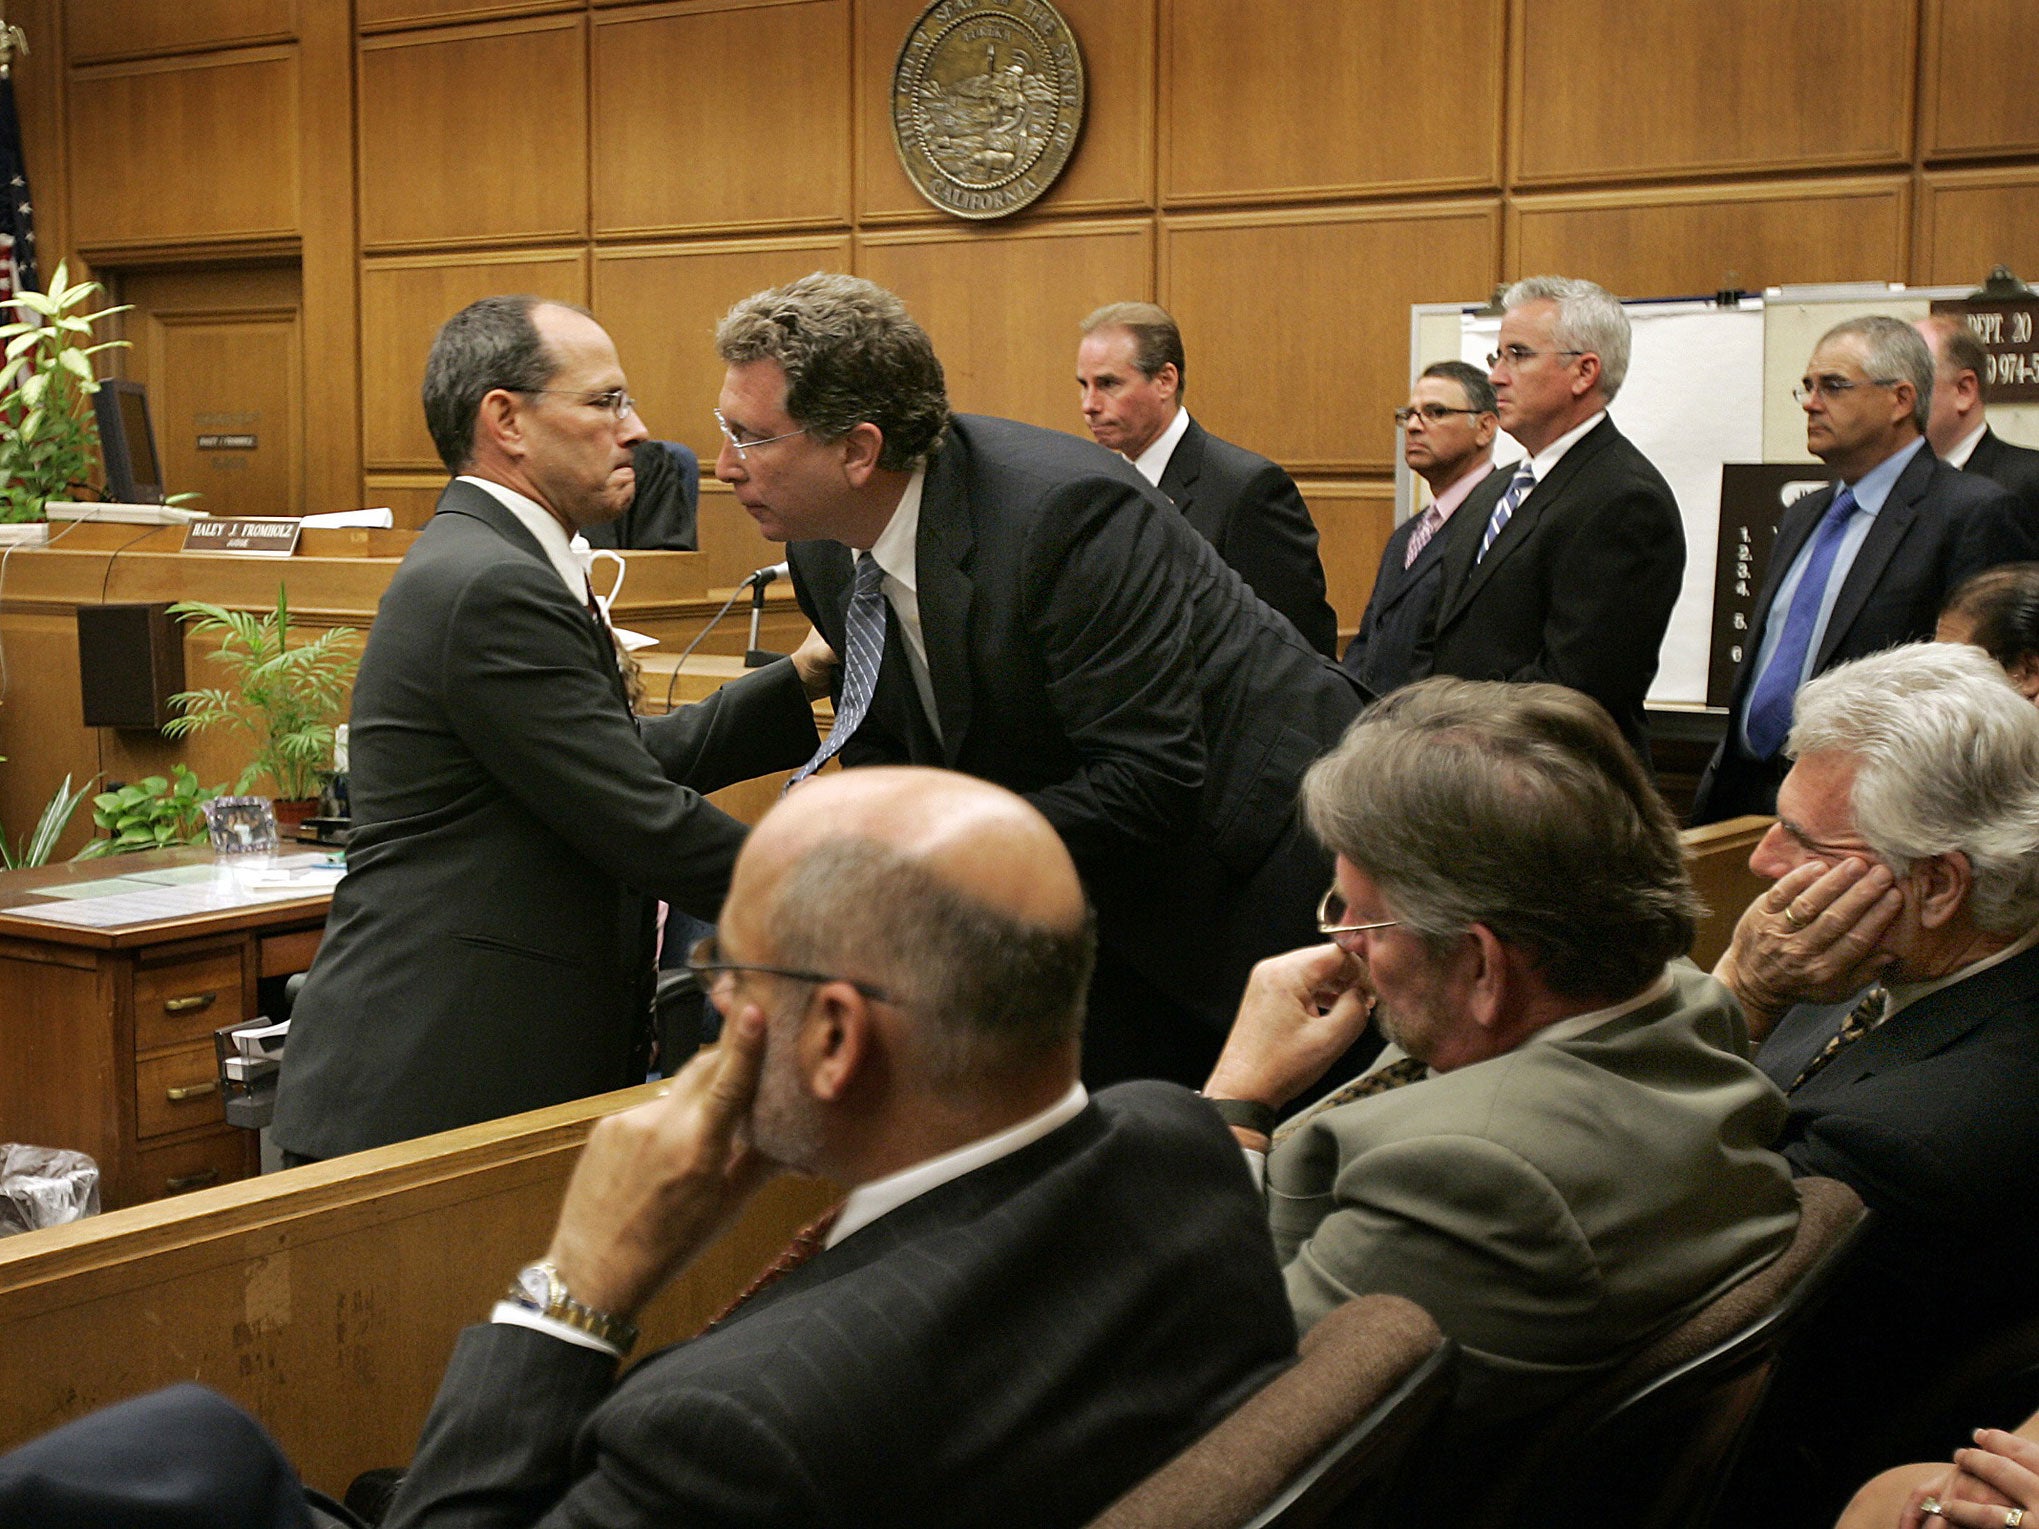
756,657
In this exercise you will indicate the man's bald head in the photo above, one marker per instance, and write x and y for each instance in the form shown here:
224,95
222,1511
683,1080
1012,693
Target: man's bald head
949,894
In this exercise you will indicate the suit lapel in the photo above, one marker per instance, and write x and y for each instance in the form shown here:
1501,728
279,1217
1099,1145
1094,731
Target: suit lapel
1899,510
1930,1025
941,573
1179,477
1522,524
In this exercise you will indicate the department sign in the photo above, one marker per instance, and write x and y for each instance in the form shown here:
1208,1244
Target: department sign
987,100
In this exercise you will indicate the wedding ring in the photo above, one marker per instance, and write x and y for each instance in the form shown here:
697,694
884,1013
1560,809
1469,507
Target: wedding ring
1791,916
2013,1517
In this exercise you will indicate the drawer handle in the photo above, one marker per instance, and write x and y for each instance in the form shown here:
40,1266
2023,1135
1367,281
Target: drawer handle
190,1091
185,1181
189,1005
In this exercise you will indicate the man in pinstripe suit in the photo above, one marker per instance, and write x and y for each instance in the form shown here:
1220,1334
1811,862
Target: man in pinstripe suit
1030,1298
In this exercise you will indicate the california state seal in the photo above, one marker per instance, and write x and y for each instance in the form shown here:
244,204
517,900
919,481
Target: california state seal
987,100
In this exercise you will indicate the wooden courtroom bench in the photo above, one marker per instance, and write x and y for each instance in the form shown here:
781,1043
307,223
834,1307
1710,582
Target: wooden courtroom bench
326,1299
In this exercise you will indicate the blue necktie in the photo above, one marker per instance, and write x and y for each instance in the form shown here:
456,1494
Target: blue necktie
1518,490
863,651
1771,696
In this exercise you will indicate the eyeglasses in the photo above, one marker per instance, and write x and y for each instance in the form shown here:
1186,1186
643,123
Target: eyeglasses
706,963
616,401
1433,413
742,446
1515,355
1810,388
1331,912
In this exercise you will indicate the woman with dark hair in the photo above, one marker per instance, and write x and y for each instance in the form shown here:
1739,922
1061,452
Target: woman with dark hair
1998,611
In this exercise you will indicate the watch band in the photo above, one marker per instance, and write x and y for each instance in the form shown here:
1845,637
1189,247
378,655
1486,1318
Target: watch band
1249,1114
560,1306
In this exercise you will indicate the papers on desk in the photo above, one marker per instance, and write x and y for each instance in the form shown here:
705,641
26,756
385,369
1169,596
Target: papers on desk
147,897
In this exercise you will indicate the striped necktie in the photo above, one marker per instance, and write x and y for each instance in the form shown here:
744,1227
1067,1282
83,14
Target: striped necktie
1379,1081
863,652
1863,1018
1426,527
1518,490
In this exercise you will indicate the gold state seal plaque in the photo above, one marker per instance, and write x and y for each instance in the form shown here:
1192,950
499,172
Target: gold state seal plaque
986,103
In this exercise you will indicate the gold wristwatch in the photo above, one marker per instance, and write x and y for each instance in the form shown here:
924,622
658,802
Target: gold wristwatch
539,1288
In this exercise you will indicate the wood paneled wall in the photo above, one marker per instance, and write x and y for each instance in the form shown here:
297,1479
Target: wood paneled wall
1287,175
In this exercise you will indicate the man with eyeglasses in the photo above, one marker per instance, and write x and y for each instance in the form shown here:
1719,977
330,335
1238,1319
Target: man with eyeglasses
1565,1148
1132,373
1863,565
1013,603
1580,552
1448,429
489,950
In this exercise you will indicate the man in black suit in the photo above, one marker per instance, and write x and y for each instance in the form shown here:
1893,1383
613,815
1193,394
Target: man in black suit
1572,574
1864,564
1893,975
1959,424
489,950
1448,430
1014,603
1030,1299
1132,370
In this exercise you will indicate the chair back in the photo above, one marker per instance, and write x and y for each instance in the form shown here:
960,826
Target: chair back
1320,1444
1651,1445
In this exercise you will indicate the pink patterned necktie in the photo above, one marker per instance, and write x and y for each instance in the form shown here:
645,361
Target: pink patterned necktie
1427,525
808,1241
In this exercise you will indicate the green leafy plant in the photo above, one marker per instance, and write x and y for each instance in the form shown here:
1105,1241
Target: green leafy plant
47,431
288,697
150,814
37,848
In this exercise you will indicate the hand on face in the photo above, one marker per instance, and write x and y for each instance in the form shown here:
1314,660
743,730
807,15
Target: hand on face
1813,937
656,1183
1299,1014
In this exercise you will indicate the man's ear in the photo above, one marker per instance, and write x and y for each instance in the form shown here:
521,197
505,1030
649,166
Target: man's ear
838,1041
1587,378
862,447
1944,882
1487,970
499,423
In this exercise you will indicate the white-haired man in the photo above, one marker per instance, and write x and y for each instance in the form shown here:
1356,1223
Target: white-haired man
1893,971
1580,552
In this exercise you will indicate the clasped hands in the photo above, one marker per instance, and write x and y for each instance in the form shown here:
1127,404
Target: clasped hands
1299,1014
658,1182
1813,937
1985,1487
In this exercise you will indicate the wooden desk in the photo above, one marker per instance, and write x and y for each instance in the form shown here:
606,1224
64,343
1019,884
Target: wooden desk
106,1033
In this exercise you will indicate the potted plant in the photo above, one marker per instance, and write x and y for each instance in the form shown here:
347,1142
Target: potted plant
47,431
287,697
150,814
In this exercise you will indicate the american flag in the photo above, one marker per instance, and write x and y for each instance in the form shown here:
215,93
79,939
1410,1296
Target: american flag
17,216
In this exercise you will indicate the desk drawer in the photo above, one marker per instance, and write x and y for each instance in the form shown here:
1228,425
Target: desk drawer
178,1090
189,1165
189,999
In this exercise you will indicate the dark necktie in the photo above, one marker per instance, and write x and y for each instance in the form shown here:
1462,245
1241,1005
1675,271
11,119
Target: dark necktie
808,1241
863,652
1770,698
1863,1018
1518,490
1379,1081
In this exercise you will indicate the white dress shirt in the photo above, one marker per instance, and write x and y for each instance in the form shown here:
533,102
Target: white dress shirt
1965,447
896,551
1153,462
552,537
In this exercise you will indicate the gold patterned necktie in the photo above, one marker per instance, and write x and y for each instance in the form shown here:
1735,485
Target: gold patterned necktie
1863,1018
1379,1081
808,1241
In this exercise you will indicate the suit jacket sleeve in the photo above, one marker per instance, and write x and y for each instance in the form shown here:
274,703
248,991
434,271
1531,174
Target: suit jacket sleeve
500,1449
1272,544
1611,597
750,727
1444,1220
1112,632
550,727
